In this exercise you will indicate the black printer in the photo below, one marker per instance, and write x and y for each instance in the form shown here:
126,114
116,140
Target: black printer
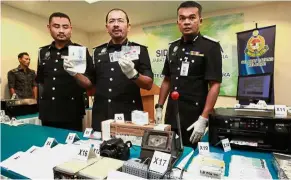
250,129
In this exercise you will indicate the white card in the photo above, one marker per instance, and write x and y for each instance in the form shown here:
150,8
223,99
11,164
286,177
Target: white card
131,49
32,149
160,162
119,118
280,110
77,52
49,142
96,149
88,132
71,138
226,145
111,57
184,69
117,56
135,49
203,147
131,57
77,57
85,153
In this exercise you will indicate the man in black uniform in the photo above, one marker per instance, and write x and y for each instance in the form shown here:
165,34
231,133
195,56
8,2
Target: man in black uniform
21,80
193,68
121,69
61,102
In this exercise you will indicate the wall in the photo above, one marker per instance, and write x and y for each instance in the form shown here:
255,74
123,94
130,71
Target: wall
22,31
277,13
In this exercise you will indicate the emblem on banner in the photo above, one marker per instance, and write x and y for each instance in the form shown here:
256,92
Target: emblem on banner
256,45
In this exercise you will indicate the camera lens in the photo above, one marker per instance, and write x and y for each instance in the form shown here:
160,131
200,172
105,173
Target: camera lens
108,153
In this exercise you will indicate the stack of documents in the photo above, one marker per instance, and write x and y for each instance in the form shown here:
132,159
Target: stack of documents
242,167
205,166
38,162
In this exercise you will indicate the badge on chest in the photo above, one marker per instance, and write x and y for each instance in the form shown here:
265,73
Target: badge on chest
184,69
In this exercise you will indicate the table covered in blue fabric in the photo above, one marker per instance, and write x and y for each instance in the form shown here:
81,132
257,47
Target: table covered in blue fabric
21,138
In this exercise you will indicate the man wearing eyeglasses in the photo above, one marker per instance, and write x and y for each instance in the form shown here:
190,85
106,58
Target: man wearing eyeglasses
121,68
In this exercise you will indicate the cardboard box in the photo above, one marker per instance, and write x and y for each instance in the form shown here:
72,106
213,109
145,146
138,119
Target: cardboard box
130,129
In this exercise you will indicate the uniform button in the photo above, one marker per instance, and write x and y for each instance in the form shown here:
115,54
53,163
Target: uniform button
196,103
181,59
53,88
109,100
178,68
53,98
54,78
41,97
192,61
111,79
133,101
43,63
58,53
98,60
183,49
73,98
55,69
175,88
177,77
170,61
109,90
57,61
112,69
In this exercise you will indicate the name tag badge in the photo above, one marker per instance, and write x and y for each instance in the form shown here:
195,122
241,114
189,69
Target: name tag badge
184,69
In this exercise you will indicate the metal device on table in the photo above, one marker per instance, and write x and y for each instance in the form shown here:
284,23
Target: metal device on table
19,107
154,140
115,148
253,130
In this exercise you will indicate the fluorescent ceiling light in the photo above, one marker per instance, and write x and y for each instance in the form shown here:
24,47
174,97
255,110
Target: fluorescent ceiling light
91,1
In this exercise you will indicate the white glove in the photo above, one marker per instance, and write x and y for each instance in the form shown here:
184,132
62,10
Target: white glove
14,96
68,66
159,115
198,129
127,68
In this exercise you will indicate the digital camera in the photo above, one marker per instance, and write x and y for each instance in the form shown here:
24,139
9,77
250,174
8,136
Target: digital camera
116,148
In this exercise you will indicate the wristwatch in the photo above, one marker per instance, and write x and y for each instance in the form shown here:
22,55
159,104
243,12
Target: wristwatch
158,106
135,77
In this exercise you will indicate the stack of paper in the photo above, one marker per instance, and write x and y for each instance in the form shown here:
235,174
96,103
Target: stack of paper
242,167
38,162
205,166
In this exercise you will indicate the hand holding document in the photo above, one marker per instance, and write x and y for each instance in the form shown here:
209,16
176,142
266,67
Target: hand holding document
75,62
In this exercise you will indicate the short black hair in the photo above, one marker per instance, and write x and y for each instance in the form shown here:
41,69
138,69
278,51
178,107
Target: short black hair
116,9
189,4
59,14
20,55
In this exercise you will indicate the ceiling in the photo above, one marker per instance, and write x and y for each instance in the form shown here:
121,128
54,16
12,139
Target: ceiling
91,17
